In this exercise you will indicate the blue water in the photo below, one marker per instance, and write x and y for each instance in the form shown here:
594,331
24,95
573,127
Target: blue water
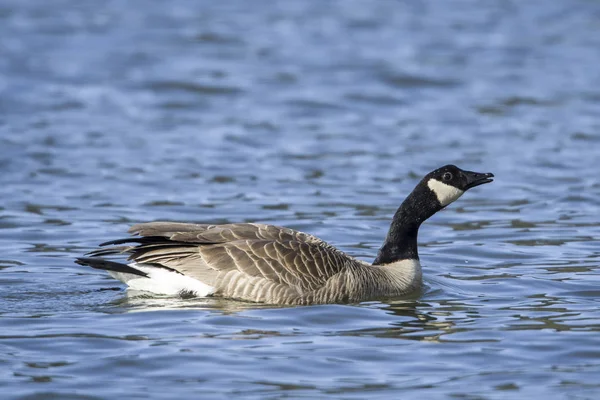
320,116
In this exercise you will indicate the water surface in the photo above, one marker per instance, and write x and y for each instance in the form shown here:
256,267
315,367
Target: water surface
320,116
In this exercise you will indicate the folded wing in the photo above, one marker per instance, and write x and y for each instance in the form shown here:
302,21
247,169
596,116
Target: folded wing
249,261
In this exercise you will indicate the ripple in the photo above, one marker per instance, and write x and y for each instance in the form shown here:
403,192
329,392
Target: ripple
409,81
201,89
217,38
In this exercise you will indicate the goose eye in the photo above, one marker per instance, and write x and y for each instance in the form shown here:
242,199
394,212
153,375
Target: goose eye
447,176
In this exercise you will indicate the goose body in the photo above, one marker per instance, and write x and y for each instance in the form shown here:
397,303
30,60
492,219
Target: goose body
277,265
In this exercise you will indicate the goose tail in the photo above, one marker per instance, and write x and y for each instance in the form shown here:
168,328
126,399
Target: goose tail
153,278
101,263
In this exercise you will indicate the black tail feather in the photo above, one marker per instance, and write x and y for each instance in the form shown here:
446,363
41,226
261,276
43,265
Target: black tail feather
100,263
140,240
146,240
105,252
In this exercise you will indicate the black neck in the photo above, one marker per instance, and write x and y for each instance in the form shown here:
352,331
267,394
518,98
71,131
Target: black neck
401,240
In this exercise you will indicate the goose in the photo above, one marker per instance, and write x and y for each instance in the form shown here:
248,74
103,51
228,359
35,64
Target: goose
276,265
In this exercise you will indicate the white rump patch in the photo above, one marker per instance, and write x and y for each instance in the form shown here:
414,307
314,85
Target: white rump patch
445,193
162,281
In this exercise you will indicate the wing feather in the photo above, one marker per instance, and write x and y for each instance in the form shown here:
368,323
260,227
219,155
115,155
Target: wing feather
205,233
251,261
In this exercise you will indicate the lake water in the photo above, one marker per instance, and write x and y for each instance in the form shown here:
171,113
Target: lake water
320,116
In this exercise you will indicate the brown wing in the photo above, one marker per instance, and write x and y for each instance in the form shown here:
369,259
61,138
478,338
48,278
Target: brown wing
204,233
250,261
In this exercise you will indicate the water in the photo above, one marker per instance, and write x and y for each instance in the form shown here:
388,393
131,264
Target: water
320,116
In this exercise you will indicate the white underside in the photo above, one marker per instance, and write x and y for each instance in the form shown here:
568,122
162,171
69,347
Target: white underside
163,281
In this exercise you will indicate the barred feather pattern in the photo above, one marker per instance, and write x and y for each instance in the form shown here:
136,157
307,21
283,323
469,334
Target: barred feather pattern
264,263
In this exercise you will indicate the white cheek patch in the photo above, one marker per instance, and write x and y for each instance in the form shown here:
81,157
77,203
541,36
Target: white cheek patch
446,194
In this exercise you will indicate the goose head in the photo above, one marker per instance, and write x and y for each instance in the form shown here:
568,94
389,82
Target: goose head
434,192
449,182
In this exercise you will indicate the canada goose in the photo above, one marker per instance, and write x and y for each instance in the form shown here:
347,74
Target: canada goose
271,264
